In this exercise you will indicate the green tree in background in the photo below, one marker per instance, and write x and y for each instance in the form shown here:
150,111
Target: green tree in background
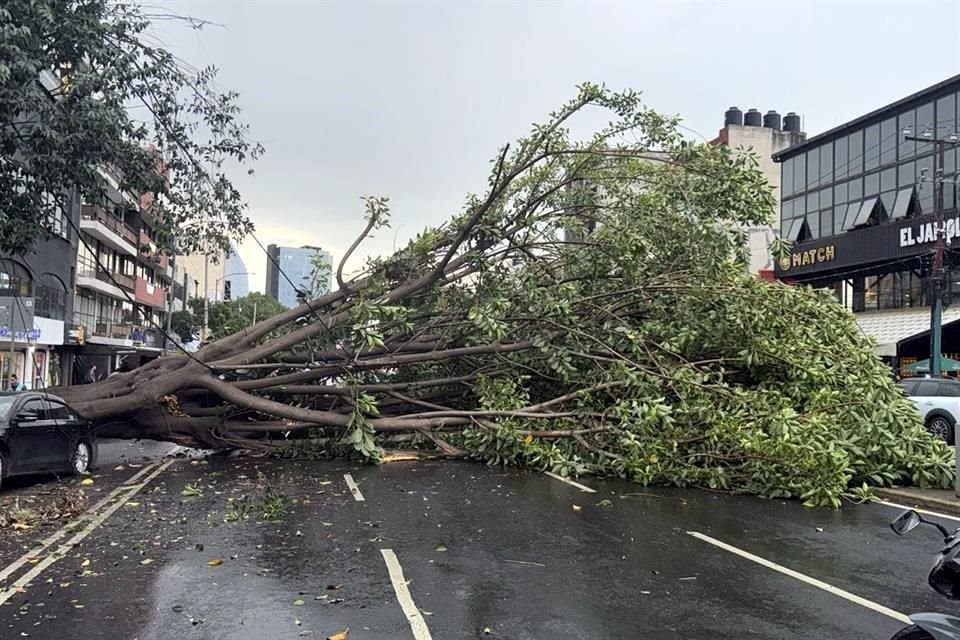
224,318
86,87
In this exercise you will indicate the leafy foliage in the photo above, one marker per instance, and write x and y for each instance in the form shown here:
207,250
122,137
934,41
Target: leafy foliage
70,71
224,318
589,313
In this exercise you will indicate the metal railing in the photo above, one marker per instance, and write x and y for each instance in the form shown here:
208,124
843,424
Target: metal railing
107,328
127,282
113,223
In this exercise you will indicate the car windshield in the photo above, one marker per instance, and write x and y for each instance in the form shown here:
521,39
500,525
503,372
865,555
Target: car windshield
6,403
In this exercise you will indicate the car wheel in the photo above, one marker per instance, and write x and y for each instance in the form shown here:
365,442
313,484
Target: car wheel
80,460
4,470
912,632
941,427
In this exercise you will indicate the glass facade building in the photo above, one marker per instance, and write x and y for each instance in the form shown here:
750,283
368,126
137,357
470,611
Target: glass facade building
858,206
866,173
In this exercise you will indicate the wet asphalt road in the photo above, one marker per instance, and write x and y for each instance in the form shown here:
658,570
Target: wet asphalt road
486,553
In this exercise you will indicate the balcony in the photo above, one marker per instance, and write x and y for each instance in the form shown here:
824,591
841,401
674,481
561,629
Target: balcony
100,281
108,229
150,294
104,331
151,254
127,333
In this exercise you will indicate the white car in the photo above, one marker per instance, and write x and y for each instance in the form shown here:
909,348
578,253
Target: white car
938,401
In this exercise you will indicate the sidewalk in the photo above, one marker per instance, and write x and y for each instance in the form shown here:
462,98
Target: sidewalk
934,499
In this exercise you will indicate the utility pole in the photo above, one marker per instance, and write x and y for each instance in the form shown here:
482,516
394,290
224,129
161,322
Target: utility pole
206,297
254,321
938,272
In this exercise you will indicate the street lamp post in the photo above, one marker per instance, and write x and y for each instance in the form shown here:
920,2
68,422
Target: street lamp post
938,271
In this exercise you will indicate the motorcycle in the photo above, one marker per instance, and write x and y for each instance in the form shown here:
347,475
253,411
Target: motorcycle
944,579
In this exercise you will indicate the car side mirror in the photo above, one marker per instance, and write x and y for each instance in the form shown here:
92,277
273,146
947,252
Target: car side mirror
26,416
908,521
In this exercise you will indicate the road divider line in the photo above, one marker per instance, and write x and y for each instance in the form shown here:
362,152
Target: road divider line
69,527
417,624
125,493
925,512
570,482
354,489
145,470
829,588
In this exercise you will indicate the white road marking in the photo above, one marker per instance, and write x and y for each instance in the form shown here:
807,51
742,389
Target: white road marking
417,624
354,489
918,510
133,479
863,602
121,497
70,527
570,482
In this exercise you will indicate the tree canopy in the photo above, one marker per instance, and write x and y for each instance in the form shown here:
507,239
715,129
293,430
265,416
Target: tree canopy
224,318
588,312
86,92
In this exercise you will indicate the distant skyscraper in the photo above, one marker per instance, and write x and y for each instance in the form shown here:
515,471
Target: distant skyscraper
236,280
297,266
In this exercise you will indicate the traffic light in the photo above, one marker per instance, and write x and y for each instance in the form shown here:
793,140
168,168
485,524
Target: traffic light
226,291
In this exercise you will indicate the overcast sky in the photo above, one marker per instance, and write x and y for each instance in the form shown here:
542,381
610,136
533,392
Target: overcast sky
411,99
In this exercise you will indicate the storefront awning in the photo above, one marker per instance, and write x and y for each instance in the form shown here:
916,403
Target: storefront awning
888,328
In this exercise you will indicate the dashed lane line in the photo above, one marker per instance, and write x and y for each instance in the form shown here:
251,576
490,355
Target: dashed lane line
70,527
417,624
829,588
354,489
582,487
121,498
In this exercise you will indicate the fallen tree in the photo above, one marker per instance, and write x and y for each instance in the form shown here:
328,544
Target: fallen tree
589,313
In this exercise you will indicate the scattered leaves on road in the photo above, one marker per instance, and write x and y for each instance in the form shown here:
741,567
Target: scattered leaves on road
441,548
215,562
146,561
340,635
298,603
577,507
87,481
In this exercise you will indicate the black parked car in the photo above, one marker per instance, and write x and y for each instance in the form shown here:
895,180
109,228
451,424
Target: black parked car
40,433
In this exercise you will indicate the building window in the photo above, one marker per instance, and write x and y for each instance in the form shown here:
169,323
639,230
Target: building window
826,163
841,158
813,169
949,185
51,298
826,223
786,173
855,161
855,190
905,203
888,142
800,173
871,148
15,280
946,115
907,174
925,121
871,184
906,121
925,180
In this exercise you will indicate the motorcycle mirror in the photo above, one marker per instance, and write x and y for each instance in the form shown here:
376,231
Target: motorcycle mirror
906,522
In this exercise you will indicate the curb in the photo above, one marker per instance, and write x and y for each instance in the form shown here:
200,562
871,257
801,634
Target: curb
908,498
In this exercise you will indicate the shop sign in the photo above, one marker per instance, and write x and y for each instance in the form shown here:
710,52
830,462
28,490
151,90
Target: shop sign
927,232
29,334
807,257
